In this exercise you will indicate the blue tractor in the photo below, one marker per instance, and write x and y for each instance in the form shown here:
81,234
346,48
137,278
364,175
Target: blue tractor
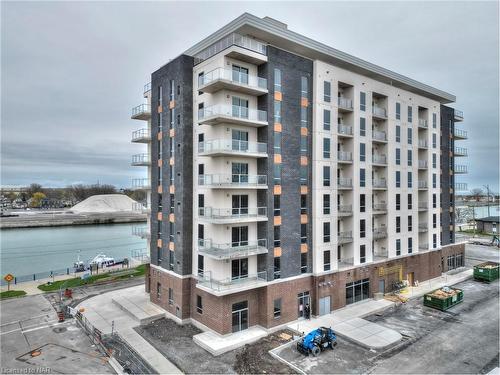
316,341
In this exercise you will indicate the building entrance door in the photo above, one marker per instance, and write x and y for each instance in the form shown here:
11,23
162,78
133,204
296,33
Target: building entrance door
240,316
324,305
410,278
303,299
381,286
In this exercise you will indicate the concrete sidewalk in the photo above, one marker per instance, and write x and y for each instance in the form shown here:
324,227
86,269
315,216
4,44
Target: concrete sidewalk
126,309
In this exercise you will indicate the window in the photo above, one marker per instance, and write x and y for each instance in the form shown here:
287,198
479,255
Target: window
170,296
171,257
304,87
398,156
277,268
434,201
434,180
277,80
362,228
158,290
303,145
326,148
160,95
362,101
398,247
410,136
434,220
362,203
277,308
410,223
398,111
362,152
277,111
277,174
434,240
160,202
277,236
357,291
434,120
434,140
362,126
362,253
410,114
199,305
409,202
277,205
410,245
303,174
303,262
398,179
277,142
326,119
410,182
326,204
201,264
326,232
398,133
239,268
327,91
410,158
434,161
303,204
362,177
326,176
303,233
172,89
398,202
158,254
326,260
398,224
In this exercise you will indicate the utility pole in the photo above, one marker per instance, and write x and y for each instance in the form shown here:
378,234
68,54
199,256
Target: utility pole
488,197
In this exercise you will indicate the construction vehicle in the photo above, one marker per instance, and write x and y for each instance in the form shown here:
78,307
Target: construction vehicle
316,341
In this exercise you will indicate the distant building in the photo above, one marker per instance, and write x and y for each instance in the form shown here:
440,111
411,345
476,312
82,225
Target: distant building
488,224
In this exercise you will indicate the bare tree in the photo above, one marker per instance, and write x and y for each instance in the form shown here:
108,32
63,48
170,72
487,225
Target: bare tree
477,194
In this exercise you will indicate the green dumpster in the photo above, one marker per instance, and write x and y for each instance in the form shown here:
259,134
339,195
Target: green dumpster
443,298
487,271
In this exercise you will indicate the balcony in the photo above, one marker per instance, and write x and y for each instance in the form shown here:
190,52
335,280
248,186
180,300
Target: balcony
461,186
379,184
345,263
422,185
141,207
232,250
459,116
234,181
232,114
460,169
230,284
379,136
344,104
422,143
228,79
423,247
344,210
142,232
141,160
344,183
459,134
379,160
344,130
232,147
345,237
379,233
423,206
141,184
232,215
423,123
141,112
379,112
141,136
344,157
147,89
422,164
422,228
460,151
379,208
380,254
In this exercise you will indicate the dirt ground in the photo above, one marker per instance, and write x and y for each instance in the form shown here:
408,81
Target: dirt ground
176,343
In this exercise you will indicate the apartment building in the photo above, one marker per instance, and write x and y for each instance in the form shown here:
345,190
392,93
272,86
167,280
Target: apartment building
286,173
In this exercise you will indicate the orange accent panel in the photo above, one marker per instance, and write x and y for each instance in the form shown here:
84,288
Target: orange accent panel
278,96
304,102
277,159
160,162
171,104
172,189
303,219
303,190
277,189
277,220
171,218
277,127
158,243
303,132
172,133
303,248
172,162
160,189
160,216
160,109
303,160
160,135
277,252
171,246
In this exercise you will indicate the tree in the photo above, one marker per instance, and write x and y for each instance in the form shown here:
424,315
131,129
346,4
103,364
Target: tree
34,188
36,199
477,194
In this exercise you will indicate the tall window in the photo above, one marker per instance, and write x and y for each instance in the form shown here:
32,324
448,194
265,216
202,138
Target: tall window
327,91
398,133
410,204
362,203
326,260
277,111
362,152
326,119
326,232
277,236
410,182
410,136
434,220
362,177
398,202
326,148
172,89
303,262
434,120
303,233
362,228
410,223
277,142
362,126
277,205
410,245
410,158
398,111
362,101
170,296
277,268
434,201
398,224
410,114
277,80
160,96
277,308
326,176
398,156
326,204
398,179
362,253
304,87
398,247
199,305
434,140
434,180
303,204
434,161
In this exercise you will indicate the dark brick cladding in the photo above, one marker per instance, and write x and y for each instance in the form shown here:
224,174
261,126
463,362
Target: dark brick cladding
447,179
181,71
292,68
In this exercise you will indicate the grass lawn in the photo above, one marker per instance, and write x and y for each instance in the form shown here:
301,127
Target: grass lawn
471,231
108,276
12,293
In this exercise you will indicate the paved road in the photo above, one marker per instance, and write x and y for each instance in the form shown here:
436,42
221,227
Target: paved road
31,323
475,254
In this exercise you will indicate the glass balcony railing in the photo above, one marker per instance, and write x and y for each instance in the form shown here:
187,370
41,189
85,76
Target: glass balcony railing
379,112
379,207
345,263
232,39
141,135
422,143
344,183
142,232
459,133
345,237
206,280
141,111
422,123
229,146
461,186
423,206
460,151
147,88
379,233
141,183
141,159
379,159
422,227
234,180
344,129
229,214
345,156
422,185
232,76
460,168
232,111
344,209
423,246
344,103
378,135
459,115
422,164
232,249
379,183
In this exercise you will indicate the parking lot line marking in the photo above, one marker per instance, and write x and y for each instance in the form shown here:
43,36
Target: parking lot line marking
29,329
23,320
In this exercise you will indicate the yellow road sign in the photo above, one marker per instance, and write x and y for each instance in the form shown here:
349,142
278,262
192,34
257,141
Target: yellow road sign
9,277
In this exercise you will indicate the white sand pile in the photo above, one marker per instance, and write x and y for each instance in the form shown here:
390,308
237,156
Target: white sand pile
104,203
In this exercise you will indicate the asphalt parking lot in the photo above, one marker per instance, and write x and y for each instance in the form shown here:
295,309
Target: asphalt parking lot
461,340
30,324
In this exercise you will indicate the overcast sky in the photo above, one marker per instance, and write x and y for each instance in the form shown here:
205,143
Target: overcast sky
71,72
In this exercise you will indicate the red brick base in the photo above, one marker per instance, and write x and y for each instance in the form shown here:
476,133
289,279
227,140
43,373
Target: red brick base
216,311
